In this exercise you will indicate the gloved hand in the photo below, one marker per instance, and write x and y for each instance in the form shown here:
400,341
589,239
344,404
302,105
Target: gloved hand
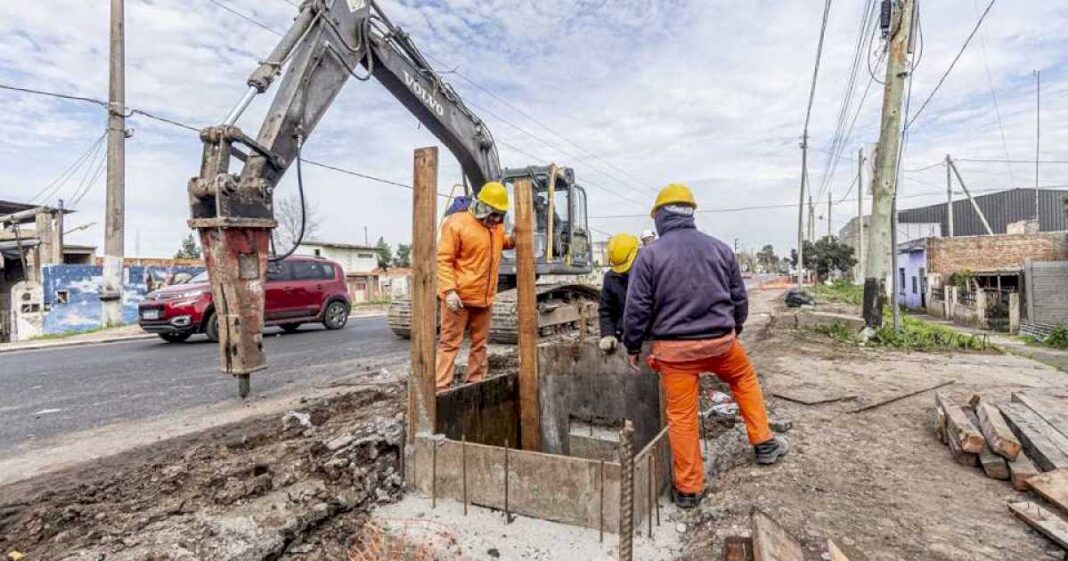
453,302
608,344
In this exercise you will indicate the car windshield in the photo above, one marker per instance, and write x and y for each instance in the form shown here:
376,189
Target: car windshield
201,277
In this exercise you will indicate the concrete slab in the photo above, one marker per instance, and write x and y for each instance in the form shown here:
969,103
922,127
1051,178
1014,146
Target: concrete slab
483,535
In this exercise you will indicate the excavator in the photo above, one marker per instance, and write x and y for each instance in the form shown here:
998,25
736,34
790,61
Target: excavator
329,42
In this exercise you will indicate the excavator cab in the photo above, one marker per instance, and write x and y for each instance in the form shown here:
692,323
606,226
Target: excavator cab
561,228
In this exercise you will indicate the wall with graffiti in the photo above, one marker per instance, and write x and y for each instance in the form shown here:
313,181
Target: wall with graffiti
72,292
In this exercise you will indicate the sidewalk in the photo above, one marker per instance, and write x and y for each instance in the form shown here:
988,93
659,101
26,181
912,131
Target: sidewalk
113,335
1056,358
134,333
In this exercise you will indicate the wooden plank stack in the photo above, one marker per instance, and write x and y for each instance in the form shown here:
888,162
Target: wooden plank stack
1024,441
771,542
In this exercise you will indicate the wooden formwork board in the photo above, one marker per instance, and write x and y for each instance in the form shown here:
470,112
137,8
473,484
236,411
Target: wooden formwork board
547,486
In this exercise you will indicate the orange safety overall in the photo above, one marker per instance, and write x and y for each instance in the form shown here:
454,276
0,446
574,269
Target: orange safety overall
468,255
680,364
453,325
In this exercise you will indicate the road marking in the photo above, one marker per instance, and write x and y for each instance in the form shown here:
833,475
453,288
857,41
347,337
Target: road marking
47,411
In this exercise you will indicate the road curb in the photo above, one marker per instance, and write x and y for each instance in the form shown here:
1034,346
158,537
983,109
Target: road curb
65,344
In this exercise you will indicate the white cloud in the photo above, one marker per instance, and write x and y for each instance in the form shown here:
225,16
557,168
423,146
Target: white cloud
709,92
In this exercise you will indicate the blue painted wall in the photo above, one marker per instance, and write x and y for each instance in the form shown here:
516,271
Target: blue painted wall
82,309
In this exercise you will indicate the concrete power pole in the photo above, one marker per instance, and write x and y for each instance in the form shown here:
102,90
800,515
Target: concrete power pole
949,197
829,226
801,213
811,220
115,213
860,215
879,252
1038,133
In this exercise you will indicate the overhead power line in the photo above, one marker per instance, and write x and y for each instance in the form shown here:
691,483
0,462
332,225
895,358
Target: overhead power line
503,101
952,64
248,18
57,184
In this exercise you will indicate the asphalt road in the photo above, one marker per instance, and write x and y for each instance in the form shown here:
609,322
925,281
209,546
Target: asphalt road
52,392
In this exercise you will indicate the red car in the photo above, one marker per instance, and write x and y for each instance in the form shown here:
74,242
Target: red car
299,290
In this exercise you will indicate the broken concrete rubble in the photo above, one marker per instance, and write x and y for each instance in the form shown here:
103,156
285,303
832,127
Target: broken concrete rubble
248,491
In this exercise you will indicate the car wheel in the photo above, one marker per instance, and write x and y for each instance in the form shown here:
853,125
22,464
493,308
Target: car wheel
174,337
336,315
290,327
211,327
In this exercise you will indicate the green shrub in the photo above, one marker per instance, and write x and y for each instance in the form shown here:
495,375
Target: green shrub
841,291
914,335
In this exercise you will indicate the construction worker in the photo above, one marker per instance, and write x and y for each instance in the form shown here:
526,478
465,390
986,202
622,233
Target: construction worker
686,294
622,250
648,237
468,255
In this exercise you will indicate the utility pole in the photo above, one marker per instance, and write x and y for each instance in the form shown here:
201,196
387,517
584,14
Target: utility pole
801,212
1038,132
829,227
59,234
366,240
115,213
811,220
949,196
736,246
860,215
880,250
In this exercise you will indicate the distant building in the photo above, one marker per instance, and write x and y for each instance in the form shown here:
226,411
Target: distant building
353,258
1001,209
360,263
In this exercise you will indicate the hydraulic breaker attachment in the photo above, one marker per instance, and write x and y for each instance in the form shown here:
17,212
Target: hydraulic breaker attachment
235,217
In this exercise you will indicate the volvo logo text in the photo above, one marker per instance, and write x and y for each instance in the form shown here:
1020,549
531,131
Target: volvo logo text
425,96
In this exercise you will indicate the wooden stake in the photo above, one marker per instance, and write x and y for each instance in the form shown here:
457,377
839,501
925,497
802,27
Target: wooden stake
529,407
421,391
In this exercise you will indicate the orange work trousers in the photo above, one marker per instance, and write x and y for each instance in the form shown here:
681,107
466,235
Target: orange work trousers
681,383
453,325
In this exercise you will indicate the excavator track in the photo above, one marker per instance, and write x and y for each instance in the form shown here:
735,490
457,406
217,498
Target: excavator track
562,311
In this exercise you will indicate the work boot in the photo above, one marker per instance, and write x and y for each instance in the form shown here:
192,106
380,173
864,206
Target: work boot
770,451
686,500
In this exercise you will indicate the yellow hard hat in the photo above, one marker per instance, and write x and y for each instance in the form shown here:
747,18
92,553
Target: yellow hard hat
674,193
495,195
622,250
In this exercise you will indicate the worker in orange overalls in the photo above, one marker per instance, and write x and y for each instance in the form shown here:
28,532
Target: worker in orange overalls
468,255
686,294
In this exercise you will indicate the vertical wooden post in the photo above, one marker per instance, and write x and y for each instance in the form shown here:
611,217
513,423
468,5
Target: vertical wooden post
421,396
529,408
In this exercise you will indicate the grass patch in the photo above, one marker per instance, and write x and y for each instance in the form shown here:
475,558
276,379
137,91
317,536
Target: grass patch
1057,339
64,335
915,335
842,292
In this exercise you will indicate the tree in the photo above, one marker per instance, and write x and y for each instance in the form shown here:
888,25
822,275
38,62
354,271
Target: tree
385,254
404,256
189,249
288,214
825,257
767,259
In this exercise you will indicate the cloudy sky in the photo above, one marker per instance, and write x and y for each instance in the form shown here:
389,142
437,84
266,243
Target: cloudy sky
631,93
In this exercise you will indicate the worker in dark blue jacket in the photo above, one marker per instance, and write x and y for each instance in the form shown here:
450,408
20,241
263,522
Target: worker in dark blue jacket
686,294
621,251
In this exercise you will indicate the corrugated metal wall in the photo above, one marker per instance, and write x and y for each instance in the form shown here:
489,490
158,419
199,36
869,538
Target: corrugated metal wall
1000,209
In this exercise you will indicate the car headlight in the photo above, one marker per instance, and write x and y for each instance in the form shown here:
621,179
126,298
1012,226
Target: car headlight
191,294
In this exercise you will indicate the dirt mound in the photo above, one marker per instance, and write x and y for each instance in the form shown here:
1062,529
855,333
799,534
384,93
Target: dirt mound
265,488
